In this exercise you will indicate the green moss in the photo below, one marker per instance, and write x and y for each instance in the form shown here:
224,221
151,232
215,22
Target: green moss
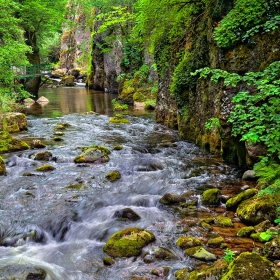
216,242
79,159
113,176
182,274
2,167
200,253
245,231
45,168
234,201
119,119
223,221
118,147
108,261
251,266
185,242
257,237
128,242
211,197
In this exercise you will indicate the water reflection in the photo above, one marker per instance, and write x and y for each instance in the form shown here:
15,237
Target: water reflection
63,101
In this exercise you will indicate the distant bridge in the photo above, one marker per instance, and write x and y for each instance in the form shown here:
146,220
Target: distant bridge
31,71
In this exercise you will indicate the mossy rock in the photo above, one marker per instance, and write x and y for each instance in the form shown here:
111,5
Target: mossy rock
160,271
200,253
10,144
271,249
234,201
251,266
172,198
257,237
263,226
128,242
185,242
45,168
258,209
119,119
164,254
108,261
245,231
118,147
128,91
43,156
14,122
3,171
182,274
223,221
62,126
216,242
57,139
68,81
113,176
95,154
211,197
206,226
37,144
214,271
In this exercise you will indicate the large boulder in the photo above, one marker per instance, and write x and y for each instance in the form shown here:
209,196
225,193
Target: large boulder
251,266
13,122
234,201
128,242
96,154
260,208
2,167
10,144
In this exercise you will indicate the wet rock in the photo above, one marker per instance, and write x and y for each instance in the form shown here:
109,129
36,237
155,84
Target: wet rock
223,221
258,209
160,271
97,154
57,139
119,119
233,202
45,168
118,147
128,242
14,122
189,203
3,171
28,102
211,197
212,272
159,254
249,175
200,253
263,226
113,176
261,268
245,231
108,261
216,242
68,81
28,174
182,274
62,126
185,242
42,99
22,272
43,156
271,249
58,133
173,198
37,144
206,226
126,214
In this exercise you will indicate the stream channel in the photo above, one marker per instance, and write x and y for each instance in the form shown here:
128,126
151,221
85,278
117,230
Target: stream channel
71,225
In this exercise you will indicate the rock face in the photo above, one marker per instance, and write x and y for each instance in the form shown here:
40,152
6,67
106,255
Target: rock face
199,99
261,268
128,242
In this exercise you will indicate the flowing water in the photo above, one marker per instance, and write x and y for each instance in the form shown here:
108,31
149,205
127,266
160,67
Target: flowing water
70,224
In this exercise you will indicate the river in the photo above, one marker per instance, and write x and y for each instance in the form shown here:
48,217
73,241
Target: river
71,224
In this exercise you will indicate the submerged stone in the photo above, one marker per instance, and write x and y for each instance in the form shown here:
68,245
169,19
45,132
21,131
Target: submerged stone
251,266
113,176
128,242
211,197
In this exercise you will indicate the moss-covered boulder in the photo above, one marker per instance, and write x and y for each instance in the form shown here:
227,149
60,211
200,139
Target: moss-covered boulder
200,253
271,249
251,266
234,201
182,274
13,122
43,156
211,197
22,272
216,242
95,154
118,147
257,209
119,119
128,242
62,126
3,171
185,242
223,221
45,168
37,144
214,271
245,231
126,214
113,176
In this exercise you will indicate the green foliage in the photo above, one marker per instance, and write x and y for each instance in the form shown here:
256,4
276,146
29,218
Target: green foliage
142,74
267,235
117,106
267,172
257,112
229,255
150,103
214,123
